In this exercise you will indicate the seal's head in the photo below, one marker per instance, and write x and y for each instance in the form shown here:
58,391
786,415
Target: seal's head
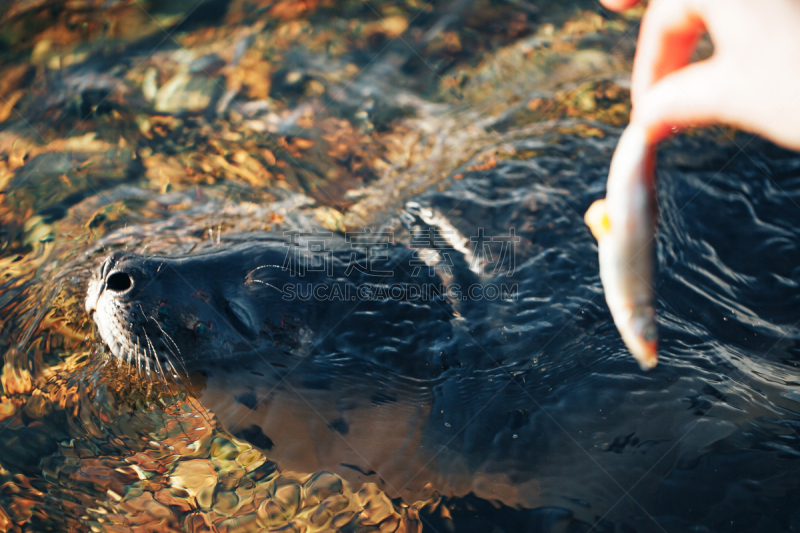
245,299
159,314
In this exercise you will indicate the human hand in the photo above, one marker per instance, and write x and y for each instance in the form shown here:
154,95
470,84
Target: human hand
751,81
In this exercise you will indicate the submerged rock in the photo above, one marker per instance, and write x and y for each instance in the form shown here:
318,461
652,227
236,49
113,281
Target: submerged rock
189,93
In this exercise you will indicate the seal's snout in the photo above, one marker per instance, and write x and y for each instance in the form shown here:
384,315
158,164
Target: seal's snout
92,294
118,271
111,276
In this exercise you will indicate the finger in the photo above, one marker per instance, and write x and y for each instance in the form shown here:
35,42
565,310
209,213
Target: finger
619,5
667,39
691,96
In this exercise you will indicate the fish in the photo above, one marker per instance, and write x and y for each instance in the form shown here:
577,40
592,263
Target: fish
624,224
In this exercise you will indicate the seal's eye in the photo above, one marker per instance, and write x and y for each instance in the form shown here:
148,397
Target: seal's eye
119,282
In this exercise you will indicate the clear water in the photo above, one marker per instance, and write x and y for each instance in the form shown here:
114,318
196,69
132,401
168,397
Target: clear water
531,416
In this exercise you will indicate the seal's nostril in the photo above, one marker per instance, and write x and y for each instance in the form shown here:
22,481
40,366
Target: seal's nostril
104,268
119,282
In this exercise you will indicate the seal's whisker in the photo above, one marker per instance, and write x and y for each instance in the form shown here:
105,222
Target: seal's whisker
170,340
148,347
175,344
160,370
166,356
269,266
186,372
166,335
155,355
161,374
139,364
138,347
142,355
170,351
149,373
174,372
147,368
150,343
179,359
264,283
247,280
180,362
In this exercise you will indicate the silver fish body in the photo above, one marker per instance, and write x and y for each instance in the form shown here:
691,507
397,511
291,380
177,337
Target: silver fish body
624,224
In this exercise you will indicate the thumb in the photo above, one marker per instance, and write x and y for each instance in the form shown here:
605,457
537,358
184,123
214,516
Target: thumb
690,96
619,5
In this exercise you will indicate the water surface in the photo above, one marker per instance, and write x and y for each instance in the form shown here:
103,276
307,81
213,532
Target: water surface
176,129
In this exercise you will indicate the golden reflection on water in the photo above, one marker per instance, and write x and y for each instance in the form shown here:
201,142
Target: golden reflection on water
183,472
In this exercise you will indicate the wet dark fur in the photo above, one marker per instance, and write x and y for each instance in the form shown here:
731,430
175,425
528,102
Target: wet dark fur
231,301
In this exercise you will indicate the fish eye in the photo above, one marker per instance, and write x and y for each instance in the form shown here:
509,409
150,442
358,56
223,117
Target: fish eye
119,282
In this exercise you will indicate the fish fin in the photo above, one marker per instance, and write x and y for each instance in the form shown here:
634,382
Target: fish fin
647,357
596,218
